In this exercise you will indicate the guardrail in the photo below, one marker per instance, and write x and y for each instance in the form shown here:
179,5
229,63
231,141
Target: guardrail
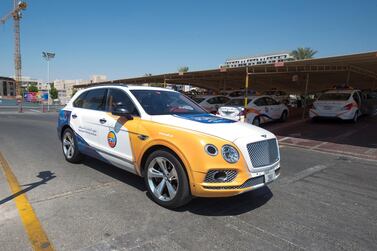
32,107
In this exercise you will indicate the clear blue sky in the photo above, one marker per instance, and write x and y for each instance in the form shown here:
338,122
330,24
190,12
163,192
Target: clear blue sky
122,38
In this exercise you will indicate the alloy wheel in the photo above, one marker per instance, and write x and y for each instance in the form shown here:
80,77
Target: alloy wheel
162,179
68,145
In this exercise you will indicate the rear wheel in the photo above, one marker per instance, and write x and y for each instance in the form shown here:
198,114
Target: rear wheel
256,121
166,180
69,146
284,116
355,117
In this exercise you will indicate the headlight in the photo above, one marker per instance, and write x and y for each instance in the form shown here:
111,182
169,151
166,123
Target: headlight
230,154
211,149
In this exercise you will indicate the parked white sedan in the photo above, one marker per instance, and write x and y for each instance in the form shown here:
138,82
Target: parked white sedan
260,109
211,102
342,104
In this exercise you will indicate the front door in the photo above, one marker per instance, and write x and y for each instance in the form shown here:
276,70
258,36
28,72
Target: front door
115,131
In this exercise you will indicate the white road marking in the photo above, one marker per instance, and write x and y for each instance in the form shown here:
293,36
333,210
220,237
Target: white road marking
303,174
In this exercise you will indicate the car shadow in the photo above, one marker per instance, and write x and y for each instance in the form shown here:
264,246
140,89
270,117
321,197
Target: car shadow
229,206
115,172
235,205
45,177
335,131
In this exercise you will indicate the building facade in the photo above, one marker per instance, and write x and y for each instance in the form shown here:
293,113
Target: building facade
66,88
7,87
257,60
28,81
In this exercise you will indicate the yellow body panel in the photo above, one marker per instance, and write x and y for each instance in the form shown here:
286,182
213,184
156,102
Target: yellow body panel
188,145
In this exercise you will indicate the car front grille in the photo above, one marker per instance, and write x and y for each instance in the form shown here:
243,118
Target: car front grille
263,153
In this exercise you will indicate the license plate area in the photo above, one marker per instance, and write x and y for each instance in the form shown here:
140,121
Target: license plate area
269,176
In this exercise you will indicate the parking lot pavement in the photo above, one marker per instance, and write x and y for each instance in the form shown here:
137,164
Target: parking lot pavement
357,140
320,202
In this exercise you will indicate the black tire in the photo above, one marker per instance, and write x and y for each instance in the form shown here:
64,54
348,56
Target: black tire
284,116
182,195
355,117
256,121
76,156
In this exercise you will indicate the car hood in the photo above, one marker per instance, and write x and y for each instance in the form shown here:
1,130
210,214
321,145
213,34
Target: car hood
226,129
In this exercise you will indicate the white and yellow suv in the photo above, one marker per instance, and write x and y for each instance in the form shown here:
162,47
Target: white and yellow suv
179,148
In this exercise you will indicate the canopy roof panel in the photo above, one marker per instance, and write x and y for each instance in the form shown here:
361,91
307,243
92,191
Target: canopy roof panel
358,70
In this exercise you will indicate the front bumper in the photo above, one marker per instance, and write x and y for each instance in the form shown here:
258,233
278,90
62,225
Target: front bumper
245,181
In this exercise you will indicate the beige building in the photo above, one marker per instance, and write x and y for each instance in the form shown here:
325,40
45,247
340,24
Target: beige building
66,87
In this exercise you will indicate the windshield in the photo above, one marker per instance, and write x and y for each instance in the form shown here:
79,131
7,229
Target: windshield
156,102
334,96
237,102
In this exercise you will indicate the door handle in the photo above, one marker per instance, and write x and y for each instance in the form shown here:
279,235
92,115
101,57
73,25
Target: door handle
102,121
74,116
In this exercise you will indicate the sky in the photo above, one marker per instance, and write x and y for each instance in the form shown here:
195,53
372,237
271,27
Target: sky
122,38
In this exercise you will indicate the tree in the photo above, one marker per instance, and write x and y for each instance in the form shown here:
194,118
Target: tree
303,53
183,69
32,88
53,93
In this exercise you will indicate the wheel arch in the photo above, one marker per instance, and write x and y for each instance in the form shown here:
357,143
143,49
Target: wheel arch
160,145
62,131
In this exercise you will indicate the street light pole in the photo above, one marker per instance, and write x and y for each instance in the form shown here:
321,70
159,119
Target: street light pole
48,56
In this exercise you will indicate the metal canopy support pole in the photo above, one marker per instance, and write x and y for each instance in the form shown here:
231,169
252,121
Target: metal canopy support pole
246,85
164,82
305,95
348,77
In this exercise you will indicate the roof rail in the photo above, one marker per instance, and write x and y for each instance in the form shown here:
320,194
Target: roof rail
100,84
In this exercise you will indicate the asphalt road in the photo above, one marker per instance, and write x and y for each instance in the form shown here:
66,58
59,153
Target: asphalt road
320,202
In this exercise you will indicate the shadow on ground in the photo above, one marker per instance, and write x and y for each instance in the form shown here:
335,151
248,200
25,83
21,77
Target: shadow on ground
362,133
115,172
45,177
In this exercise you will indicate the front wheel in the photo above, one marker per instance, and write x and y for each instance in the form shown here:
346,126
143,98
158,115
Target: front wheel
284,116
166,180
256,121
69,146
355,117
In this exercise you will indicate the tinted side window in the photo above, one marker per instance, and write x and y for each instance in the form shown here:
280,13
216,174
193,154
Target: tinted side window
95,100
212,101
118,97
356,98
224,99
271,101
80,100
260,102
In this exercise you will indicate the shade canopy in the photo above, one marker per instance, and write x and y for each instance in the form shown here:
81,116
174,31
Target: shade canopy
357,70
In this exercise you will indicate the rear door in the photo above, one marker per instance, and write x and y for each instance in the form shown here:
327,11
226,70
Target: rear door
85,117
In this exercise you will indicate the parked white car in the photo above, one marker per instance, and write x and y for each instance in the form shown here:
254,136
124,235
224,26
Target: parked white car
238,93
280,96
260,109
342,104
211,102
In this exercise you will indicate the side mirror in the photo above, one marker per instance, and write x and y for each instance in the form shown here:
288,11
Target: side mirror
123,112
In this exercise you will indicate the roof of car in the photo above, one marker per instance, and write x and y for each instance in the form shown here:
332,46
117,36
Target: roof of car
341,91
131,87
208,96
